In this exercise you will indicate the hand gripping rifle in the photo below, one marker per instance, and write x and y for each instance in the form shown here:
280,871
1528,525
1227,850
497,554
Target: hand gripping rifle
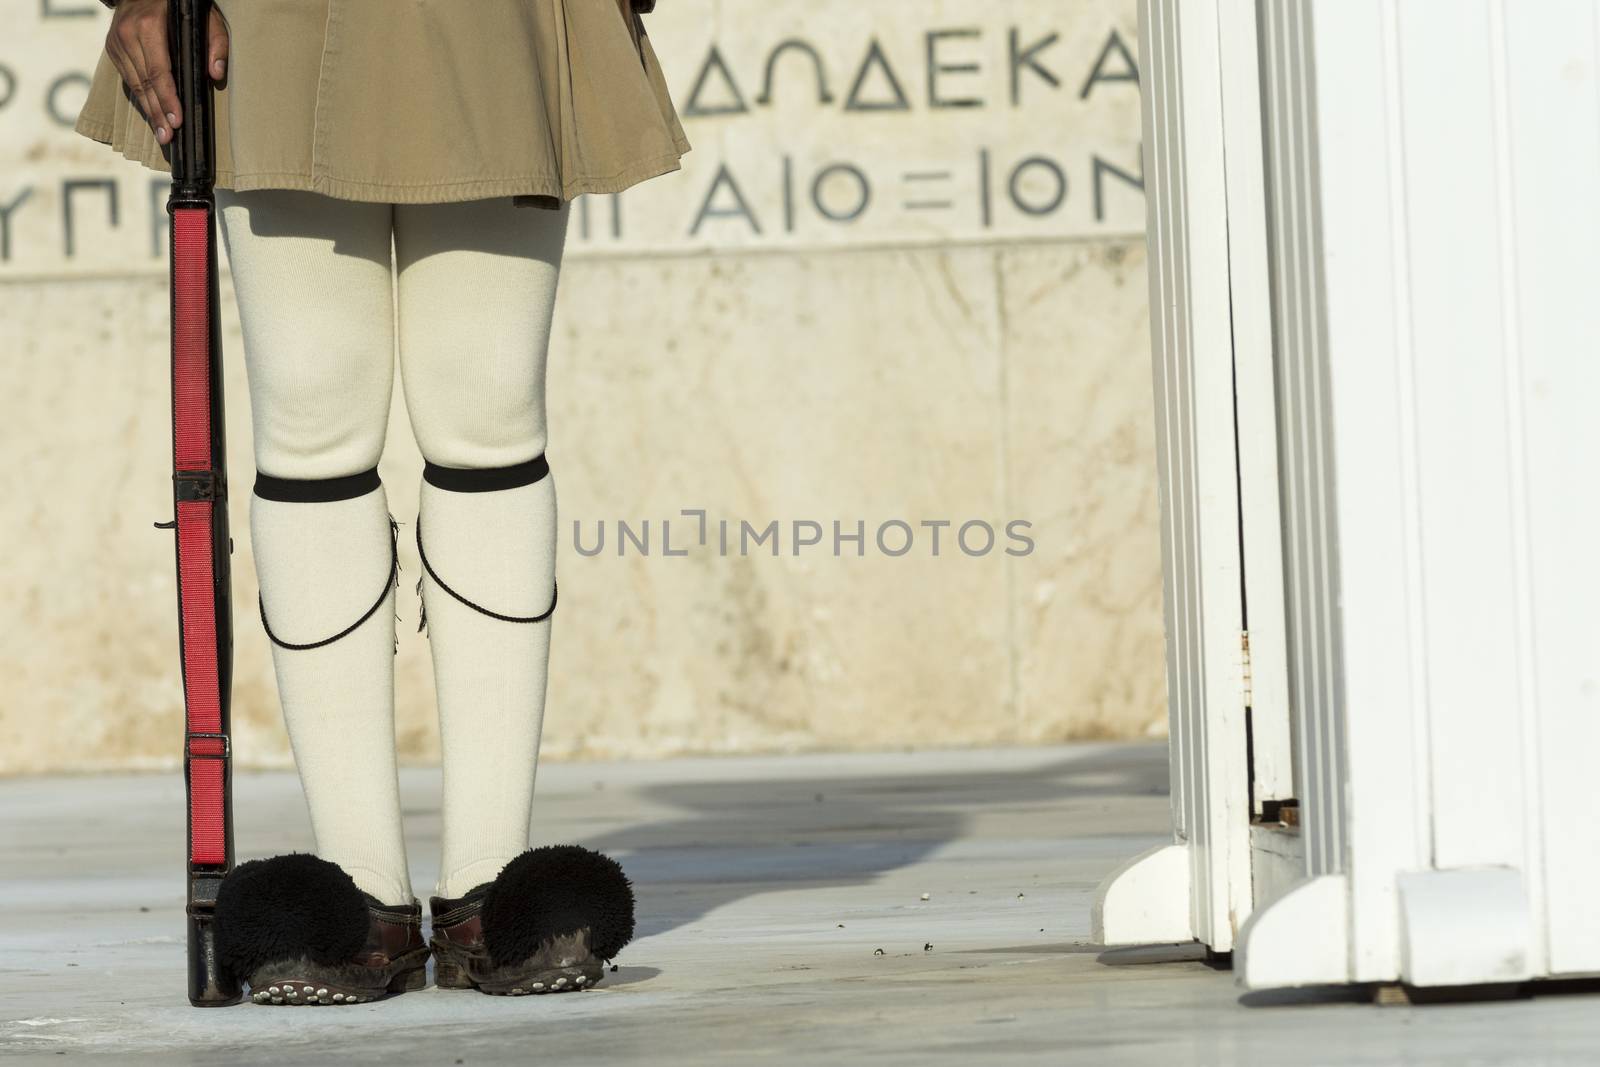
200,501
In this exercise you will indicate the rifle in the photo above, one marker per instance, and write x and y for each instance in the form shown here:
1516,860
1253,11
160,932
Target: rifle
200,503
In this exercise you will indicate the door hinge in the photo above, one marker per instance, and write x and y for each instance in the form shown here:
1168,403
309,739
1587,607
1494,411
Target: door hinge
1244,667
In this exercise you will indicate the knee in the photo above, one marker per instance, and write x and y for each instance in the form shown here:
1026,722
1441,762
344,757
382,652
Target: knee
313,429
322,410
496,431
317,459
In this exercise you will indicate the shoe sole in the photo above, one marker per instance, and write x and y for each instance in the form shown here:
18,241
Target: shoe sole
536,982
576,971
302,984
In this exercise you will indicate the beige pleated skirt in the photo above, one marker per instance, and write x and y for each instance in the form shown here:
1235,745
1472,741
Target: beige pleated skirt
424,101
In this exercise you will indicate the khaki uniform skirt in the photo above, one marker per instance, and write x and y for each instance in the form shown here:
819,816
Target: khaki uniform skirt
424,101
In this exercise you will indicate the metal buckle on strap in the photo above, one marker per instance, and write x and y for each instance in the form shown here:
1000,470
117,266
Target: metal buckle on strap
204,881
194,485
190,753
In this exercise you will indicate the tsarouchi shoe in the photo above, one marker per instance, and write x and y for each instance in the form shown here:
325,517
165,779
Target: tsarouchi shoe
548,923
299,931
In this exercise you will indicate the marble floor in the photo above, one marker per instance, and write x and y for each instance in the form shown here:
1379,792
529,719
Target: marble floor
893,908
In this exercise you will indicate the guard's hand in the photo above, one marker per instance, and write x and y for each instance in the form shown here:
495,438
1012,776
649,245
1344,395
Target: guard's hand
137,45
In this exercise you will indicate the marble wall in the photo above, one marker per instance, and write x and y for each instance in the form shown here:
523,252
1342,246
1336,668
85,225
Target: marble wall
897,291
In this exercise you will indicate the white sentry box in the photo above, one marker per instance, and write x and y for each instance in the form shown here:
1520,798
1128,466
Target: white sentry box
1375,289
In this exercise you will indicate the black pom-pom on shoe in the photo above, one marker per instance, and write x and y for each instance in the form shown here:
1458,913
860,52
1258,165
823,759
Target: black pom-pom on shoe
288,906
300,931
546,924
554,891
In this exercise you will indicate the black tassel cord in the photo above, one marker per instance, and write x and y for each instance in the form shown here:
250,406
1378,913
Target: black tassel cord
422,605
394,544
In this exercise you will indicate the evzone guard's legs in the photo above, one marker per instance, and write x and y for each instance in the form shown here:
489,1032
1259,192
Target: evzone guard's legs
476,284
312,277
313,281
476,289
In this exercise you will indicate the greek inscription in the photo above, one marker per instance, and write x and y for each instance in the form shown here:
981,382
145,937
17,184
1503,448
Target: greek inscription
6,211
876,60
1100,73
735,104
739,209
65,114
798,45
1101,170
56,9
1055,179
849,174
937,66
69,189
1026,58
843,166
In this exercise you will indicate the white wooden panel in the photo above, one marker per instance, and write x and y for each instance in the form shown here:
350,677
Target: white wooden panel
1249,288
1530,873
1145,901
1220,719
1192,371
1460,927
1458,333
1360,194
1164,239
1451,158
1432,254
1549,129
1300,939
1304,430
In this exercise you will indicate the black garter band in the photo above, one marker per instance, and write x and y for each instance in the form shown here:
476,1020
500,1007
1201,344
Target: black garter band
480,480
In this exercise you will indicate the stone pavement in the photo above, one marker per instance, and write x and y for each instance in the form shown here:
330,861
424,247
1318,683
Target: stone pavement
767,888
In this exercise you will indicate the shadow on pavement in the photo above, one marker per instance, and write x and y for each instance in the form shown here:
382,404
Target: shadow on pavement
738,839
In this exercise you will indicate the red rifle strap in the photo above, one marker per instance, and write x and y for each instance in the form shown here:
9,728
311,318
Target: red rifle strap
205,745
